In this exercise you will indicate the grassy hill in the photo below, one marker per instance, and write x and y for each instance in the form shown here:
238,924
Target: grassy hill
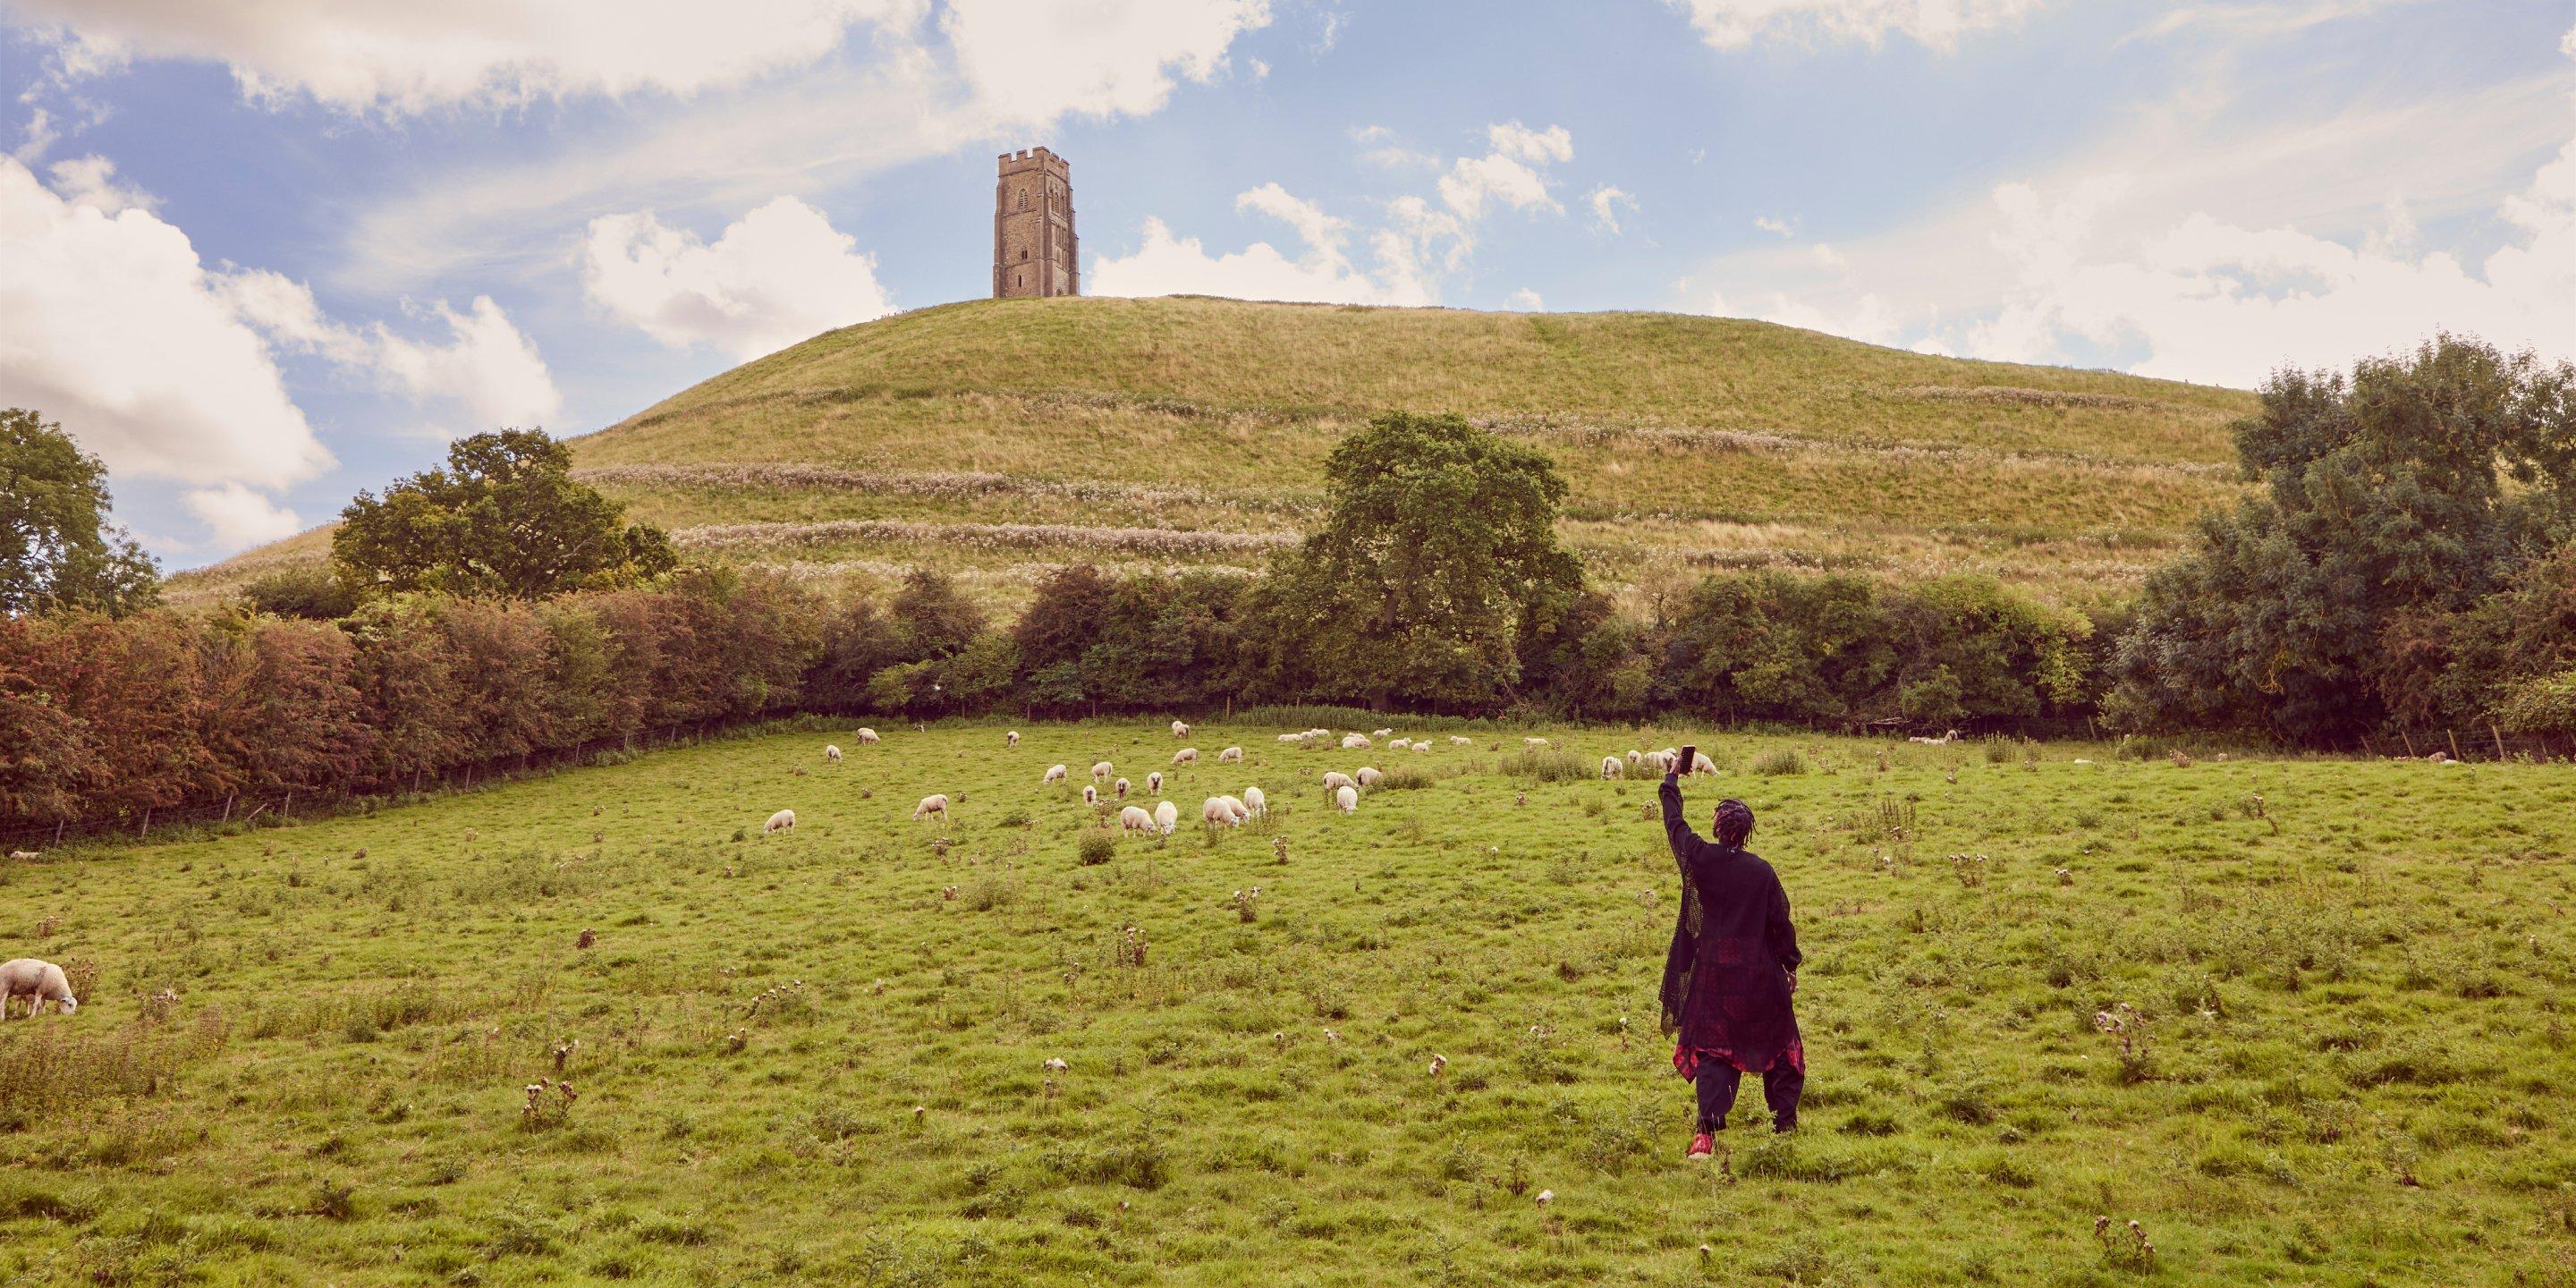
997,439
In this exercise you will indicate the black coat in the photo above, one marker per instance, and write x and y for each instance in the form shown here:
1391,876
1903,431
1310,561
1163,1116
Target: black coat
1726,980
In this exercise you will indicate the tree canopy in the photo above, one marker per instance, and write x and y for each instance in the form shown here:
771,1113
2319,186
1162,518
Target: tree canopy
2395,501
57,547
504,518
1436,569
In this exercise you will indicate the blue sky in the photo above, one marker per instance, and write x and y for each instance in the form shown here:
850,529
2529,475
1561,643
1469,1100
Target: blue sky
261,256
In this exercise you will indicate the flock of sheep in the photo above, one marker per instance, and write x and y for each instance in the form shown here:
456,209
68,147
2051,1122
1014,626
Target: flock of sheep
1235,811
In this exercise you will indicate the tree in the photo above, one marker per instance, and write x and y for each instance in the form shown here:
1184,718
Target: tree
1436,565
2393,500
57,547
504,518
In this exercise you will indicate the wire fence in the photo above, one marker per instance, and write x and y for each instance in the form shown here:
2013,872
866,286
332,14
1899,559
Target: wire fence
24,836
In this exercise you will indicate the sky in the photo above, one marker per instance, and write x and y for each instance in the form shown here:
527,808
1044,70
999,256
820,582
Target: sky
259,255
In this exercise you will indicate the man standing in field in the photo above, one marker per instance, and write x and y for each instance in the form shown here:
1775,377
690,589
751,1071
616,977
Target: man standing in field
1731,970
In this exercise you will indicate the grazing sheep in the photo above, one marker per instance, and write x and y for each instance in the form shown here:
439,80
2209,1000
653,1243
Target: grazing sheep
38,982
1346,799
1230,756
831,753
1701,765
1054,774
1011,739
1180,729
1186,756
1402,744
22,856
1368,776
1336,778
1381,733
1154,782
867,737
1135,819
1461,740
1100,772
1090,794
1292,737
1256,802
1424,745
1166,817
782,821
1613,767
1120,787
1635,758
1943,741
1225,810
1354,741
936,803
1536,742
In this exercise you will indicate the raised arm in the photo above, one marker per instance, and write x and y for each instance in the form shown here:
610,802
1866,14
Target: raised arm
1677,829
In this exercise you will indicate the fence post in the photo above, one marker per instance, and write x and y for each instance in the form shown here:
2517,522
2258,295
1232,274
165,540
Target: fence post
146,829
2367,749
228,807
288,809
2410,743
58,831
2498,735
2455,743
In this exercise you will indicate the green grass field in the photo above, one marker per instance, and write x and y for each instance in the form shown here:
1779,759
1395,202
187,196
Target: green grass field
820,1056
1688,443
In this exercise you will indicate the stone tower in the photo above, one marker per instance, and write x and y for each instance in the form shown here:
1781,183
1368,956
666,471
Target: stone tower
1033,245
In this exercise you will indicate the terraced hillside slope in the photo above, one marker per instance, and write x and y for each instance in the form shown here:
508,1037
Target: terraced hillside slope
999,438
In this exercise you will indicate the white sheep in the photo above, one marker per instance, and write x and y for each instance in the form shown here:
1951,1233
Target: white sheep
1292,737
1336,778
1424,745
1121,788
1225,810
1613,767
1180,729
831,753
1230,756
1166,817
1943,741
1011,739
1100,772
1054,774
1368,776
1461,740
1186,756
1346,799
1135,819
1402,744
1635,758
1701,765
1354,741
1536,742
1154,782
782,821
935,803
1255,801
1090,794
1382,733
38,982
867,737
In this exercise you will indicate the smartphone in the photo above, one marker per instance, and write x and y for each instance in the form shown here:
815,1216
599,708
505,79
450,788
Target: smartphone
1690,760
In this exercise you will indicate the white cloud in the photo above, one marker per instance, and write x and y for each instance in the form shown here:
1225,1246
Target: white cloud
110,324
2211,245
1935,24
403,56
778,275
1167,264
486,369
1606,203
1510,173
1524,300
239,517
1777,227
1029,63
91,181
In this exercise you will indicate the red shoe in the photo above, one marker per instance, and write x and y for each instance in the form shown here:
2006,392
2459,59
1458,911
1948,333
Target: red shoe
1702,1145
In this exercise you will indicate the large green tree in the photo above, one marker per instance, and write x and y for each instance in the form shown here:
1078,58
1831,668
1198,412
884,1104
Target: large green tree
1436,572
57,547
504,518
2393,500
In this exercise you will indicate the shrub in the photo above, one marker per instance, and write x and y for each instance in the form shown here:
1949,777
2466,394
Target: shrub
1546,765
1096,847
1779,761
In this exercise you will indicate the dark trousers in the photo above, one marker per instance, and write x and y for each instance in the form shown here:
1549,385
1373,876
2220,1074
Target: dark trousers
1780,1087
